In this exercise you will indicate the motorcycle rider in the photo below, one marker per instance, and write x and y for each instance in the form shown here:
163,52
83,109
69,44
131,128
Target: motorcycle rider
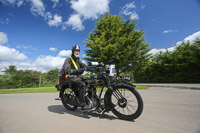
73,68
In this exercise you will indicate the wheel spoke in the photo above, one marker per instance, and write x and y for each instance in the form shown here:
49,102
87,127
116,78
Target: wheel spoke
128,109
132,107
128,95
131,101
123,110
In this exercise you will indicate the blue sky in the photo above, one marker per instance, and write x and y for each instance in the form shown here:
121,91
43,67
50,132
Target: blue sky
39,34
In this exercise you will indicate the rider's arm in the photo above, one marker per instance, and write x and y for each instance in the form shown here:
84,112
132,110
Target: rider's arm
82,65
87,68
67,67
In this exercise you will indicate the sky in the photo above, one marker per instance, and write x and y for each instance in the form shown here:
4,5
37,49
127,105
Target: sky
39,34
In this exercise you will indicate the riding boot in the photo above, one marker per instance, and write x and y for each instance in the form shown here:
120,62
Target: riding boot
83,104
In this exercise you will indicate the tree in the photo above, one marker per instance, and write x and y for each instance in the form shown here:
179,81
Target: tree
51,77
10,69
25,78
179,66
115,38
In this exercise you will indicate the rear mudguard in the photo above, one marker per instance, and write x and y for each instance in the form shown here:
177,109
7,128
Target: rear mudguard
70,99
107,98
61,88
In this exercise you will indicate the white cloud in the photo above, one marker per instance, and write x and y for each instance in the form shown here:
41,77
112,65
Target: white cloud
12,2
3,38
155,51
42,63
48,16
37,7
134,15
8,1
85,9
143,6
6,21
168,31
26,47
55,2
56,21
45,63
64,53
20,2
74,21
52,49
11,54
129,10
190,38
90,9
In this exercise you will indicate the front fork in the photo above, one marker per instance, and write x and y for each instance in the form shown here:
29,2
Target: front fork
107,98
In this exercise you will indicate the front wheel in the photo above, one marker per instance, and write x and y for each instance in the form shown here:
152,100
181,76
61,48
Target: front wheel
128,104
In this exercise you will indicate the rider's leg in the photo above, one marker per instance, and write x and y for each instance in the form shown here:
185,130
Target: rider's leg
81,91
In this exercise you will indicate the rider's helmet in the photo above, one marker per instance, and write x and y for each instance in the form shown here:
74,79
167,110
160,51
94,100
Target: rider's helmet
75,48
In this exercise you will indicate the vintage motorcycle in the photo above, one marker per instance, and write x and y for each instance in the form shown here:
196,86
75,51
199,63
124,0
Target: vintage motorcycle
120,97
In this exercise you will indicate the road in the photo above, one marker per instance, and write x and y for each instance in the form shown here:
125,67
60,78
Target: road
165,110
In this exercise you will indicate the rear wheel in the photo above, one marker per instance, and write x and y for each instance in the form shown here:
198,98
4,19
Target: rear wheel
128,103
64,99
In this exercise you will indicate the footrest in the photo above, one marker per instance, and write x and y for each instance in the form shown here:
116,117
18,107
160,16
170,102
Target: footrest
57,99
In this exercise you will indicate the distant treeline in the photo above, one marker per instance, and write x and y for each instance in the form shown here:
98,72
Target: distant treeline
27,78
179,66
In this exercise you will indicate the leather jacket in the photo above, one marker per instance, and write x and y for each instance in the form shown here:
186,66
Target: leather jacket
71,70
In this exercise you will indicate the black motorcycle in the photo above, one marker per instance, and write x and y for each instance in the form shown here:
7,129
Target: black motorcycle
120,97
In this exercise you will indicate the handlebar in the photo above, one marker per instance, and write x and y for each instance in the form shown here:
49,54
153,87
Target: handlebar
101,68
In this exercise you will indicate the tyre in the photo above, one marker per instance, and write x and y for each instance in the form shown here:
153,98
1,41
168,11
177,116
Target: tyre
128,104
64,99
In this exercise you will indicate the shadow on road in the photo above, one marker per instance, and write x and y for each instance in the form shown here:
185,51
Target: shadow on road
87,115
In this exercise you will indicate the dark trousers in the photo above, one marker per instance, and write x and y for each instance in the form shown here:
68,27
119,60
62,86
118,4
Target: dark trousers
79,86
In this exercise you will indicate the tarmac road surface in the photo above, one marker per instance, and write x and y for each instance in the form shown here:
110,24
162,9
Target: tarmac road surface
166,110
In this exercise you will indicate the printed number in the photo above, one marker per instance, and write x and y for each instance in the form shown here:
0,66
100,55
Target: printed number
123,78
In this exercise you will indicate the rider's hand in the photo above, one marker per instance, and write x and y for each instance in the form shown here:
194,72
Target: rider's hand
80,71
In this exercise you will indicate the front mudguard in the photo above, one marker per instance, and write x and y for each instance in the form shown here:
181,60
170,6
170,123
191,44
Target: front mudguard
107,98
124,85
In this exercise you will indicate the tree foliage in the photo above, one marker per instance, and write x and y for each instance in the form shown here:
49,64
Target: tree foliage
179,66
10,69
115,38
28,78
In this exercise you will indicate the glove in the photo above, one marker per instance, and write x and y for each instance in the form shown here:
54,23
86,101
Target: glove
80,71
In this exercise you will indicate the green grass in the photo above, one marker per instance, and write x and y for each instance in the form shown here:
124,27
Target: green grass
28,90
141,87
44,89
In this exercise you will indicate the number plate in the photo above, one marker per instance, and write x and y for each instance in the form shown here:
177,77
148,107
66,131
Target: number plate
123,78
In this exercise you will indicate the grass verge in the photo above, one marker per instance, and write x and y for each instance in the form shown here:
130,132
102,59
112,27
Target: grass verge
44,89
28,90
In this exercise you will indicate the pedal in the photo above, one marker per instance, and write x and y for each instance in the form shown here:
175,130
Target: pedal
99,110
